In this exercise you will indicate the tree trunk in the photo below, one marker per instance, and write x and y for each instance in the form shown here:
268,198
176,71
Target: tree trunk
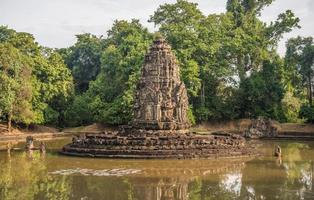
310,90
241,68
203,95
10,122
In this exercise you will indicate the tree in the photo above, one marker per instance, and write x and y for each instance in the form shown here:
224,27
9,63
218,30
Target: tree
121,61
196,40
109,98
299,60
307,113
52,86
15,86
291,106
262,92
79,113
255,41
228,63
45,76
83,58
253,6
222,50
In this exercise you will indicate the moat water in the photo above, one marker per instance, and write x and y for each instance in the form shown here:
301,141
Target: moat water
26,176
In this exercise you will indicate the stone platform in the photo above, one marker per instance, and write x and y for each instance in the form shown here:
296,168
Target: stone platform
157,144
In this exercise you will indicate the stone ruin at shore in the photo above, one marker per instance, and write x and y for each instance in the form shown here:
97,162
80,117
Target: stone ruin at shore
160,125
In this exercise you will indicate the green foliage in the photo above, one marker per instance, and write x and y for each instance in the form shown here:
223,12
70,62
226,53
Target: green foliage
228,63
261,93
117,112
307,112
79,112
191,116
15,87
121,62
291,106
202,114
51,116
83,58
110,95
216,52
299,63
37,78
246,6
52,83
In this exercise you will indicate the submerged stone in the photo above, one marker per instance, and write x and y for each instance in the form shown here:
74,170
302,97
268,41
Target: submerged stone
160,125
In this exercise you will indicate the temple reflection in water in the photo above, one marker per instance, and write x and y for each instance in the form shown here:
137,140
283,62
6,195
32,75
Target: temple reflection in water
33,176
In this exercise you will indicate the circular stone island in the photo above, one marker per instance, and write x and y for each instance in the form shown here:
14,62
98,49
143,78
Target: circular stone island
160,125
158,144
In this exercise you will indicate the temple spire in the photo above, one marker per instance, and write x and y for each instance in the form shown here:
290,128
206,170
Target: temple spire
161,100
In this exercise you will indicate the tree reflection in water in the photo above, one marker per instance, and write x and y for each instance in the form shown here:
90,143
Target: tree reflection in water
29,176
289,178
24,176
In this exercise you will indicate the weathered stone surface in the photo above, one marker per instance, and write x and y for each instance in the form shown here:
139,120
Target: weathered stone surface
261,127
160,125
161,100
159,145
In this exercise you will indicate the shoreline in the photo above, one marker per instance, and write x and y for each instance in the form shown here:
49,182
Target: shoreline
36,136
289,131
62,135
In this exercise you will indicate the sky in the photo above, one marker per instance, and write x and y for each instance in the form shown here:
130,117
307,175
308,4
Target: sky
54,23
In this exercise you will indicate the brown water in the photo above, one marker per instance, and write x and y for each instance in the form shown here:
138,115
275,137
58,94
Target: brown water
26,176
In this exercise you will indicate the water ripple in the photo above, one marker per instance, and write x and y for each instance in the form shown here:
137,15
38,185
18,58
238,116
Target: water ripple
95,172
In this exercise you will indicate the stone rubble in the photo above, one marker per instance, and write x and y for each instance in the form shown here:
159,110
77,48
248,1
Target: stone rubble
260,128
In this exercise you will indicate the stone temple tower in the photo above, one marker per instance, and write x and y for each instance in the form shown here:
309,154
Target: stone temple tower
161,101
160,125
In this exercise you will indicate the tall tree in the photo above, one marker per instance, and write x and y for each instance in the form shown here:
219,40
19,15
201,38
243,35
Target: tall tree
255,41
52,86
262,92
300,63
121,61
83,58
223,49
109,98
50,78
15,86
